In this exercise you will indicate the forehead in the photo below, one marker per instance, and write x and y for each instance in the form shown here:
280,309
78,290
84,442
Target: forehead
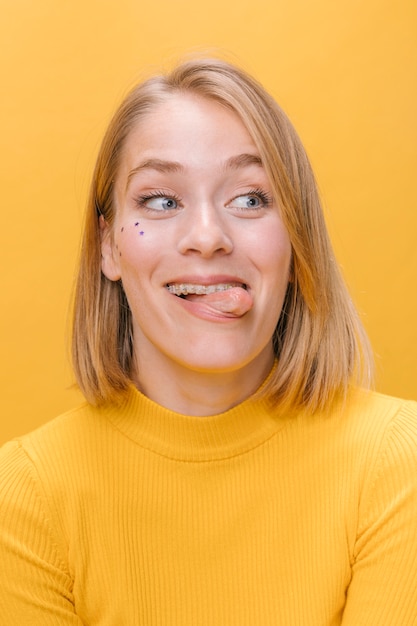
188,122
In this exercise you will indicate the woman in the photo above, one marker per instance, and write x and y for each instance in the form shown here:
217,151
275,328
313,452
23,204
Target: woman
229,466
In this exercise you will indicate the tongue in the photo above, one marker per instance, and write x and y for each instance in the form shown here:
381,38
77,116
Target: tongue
232,302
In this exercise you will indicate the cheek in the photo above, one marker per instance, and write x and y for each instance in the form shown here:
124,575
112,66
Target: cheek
139,249
283,255
130,240
273,251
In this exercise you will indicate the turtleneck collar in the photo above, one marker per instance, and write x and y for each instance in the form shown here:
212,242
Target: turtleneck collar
189,438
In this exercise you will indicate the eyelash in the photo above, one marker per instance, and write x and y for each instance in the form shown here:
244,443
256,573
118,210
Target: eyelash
142,200
264,197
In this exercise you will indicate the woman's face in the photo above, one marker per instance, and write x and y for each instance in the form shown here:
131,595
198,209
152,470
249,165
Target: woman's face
197,240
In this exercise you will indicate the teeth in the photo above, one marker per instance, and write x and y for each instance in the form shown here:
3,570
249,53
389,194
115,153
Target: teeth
183,289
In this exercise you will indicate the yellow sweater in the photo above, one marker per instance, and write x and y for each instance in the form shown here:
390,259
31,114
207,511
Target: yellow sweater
140,516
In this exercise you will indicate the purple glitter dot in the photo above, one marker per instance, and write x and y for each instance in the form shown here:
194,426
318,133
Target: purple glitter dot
136,223
141,232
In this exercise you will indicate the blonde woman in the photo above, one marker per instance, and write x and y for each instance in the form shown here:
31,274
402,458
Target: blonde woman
230,465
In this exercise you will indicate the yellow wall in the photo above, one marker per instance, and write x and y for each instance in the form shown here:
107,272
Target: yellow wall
345,73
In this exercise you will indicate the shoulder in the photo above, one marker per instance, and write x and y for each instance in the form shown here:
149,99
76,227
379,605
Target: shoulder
55,450
375,404
364,418
47,474
384,432
76,424
364,434
370,414
381,417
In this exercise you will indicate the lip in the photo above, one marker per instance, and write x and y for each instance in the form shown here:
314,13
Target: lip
203,310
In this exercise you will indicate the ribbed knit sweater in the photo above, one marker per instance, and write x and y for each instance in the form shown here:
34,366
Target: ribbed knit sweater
140,516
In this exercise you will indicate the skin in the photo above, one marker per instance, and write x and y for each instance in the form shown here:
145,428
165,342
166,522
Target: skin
216,223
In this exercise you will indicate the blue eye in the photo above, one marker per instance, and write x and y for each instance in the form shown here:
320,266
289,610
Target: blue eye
247,202
252,200
158,202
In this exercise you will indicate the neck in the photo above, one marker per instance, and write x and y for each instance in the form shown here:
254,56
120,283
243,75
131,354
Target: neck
197,393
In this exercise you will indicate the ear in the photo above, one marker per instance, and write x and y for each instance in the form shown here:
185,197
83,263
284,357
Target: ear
109,260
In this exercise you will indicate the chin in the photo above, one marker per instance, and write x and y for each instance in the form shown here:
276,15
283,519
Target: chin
221,362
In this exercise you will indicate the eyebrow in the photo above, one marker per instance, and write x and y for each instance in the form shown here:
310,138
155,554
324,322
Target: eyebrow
243,160
159,165
155,164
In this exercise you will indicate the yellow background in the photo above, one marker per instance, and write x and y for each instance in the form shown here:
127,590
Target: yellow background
345,73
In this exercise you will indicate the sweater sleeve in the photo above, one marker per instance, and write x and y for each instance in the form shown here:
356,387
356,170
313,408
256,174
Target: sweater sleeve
383,589
35,584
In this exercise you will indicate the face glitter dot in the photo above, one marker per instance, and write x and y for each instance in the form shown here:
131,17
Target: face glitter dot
136,223
141,232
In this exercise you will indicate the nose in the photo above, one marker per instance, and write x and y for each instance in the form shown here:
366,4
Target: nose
204,232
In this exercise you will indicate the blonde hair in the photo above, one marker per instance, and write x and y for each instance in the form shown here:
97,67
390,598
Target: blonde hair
319,341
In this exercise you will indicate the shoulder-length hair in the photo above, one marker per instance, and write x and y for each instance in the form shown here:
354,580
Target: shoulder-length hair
319,342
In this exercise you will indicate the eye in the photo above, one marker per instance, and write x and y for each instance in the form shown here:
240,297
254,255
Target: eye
253,200
247,202
158,202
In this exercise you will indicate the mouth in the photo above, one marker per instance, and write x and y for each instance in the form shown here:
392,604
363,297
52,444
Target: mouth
218,301
182,290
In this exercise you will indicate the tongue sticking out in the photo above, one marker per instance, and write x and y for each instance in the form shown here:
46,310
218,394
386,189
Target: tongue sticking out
233,302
